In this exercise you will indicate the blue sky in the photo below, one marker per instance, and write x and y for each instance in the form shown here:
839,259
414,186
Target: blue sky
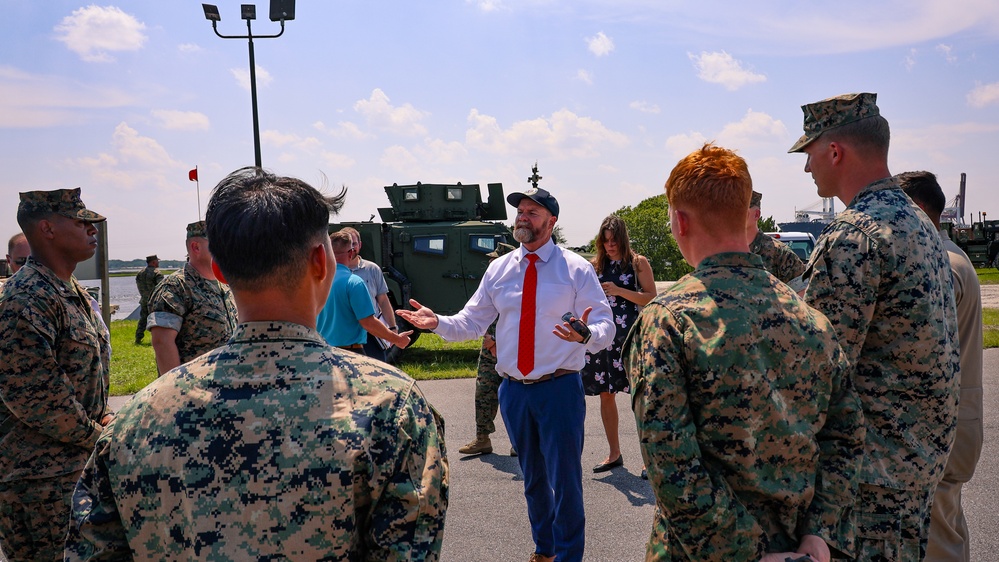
123,99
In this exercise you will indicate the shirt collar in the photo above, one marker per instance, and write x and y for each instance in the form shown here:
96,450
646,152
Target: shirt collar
544,252
256,332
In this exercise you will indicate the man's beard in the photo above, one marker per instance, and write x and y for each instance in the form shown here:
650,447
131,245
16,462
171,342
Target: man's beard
524,234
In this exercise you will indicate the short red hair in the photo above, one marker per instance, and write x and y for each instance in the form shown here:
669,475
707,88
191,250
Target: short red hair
714,184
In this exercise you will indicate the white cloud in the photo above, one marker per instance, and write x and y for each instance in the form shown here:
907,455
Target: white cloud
600,45
722,68
242,76
181,120
344,130
399,158
33,100
948,52
910,59
563,135
93,32
983,95
335,160
189,48
644,106
487,5
754,128
308,145
133,161
683,144
584,76
404,119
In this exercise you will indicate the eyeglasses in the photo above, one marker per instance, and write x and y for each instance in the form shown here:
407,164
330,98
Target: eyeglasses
21,261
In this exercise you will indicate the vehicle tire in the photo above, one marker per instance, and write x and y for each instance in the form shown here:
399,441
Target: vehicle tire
393,353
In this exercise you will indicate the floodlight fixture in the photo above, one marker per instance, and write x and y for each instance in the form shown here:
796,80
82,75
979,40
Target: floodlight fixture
282,10
212,12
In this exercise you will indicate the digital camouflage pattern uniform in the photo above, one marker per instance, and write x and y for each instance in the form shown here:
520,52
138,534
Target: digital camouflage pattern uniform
487,383
275,446
201,311
54,385
146,281
881,275
778,258
749,426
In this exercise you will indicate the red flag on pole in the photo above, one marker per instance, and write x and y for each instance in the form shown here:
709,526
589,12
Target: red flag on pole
193,174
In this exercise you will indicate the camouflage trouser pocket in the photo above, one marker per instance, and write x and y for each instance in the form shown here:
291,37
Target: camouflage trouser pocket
879,537
889,524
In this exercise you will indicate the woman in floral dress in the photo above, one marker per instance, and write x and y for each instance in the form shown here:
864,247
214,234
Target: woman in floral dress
627,280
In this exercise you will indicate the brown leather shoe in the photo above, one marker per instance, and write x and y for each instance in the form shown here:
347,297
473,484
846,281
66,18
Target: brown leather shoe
479,446
541,558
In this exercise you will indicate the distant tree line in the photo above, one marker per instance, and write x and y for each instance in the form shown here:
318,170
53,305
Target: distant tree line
141,262
648,227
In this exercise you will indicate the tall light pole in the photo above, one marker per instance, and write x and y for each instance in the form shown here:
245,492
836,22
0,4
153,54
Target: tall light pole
281,10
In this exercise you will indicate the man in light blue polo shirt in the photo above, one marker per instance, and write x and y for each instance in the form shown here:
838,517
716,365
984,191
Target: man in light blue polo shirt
349,315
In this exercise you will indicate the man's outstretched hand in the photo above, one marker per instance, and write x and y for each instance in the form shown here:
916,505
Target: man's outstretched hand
420,317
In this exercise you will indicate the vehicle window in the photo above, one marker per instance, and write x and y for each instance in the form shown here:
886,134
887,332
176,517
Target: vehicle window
429,245
482,243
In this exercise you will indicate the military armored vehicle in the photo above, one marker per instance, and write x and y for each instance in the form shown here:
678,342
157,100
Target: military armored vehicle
980,240
432,243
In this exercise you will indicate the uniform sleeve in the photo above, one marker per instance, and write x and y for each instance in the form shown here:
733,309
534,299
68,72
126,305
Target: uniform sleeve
704,517
96,531
843,279
841,453
168,305
407,520
33,385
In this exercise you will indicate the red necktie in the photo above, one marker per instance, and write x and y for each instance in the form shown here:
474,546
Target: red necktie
528,305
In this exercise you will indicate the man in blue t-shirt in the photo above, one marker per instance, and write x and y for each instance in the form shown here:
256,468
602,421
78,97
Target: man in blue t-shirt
349,315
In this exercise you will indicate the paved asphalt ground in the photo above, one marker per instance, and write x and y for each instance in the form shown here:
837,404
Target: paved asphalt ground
487,515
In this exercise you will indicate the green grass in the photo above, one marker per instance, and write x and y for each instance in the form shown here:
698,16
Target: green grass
134,366
988,276
433,358
990,319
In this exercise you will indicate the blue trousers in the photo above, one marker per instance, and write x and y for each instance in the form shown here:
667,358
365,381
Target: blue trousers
545,424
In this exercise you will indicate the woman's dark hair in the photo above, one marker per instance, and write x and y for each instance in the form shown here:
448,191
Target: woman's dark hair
619,233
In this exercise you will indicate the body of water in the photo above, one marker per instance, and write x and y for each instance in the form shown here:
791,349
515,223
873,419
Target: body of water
124,293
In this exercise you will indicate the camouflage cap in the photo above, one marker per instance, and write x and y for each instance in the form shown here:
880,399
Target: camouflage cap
151,258
827,114
501,249
756,199
539,196
197,230
65,202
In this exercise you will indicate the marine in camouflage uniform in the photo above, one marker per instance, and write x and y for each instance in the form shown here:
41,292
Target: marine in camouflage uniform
146,281
487,383
275,445
200,310
749,426
54,384
881,275
778,258
748,423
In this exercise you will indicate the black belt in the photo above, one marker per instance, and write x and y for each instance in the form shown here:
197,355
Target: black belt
543,378
352,347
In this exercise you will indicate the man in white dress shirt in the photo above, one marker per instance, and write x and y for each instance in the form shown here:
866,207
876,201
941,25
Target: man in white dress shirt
541,396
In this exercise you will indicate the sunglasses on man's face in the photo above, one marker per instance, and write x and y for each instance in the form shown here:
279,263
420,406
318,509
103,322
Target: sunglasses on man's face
20,261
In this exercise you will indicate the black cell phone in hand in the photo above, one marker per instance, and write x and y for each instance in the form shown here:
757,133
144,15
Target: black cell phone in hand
580,328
